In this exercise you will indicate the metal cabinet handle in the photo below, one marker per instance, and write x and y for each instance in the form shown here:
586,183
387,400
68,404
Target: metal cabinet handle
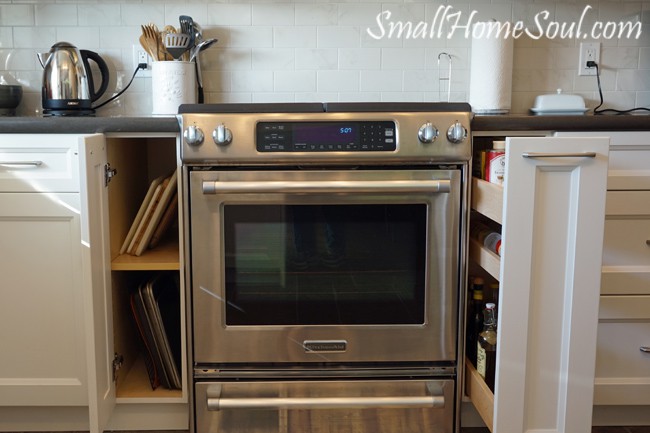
430,401
30,163
644,349
559,155
214,187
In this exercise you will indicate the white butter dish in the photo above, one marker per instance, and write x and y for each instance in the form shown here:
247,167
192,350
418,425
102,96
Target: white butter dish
559,103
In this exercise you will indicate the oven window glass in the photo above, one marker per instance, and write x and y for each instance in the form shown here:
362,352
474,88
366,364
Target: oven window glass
325,264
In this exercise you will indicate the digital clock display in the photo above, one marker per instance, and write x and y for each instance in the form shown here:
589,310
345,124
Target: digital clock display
325,133
325,136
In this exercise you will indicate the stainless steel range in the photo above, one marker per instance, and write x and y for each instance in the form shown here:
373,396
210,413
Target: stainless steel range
325,265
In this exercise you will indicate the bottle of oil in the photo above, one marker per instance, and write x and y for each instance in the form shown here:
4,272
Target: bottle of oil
474,317
486,346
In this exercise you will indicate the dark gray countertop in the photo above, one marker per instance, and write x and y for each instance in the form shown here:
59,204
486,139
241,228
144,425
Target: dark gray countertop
55,125
587,122
88,125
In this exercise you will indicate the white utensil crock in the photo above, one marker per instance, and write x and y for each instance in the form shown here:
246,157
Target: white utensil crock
173,83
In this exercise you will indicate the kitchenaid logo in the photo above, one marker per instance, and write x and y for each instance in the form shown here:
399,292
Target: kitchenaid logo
325,346
446,23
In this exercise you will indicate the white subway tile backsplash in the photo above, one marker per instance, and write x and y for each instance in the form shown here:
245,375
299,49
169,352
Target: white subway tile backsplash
273,97
317,50
380,81
633,80
56,15
232,59
277,59
99,15
316,58
295,81
295,37
137,14
275,14
643,99
644,58
17,15
402,58
81,37
6,37
362,15
424,81
252,37
252,81
338,81
338,37
316,14
317,97
229,15
359,58
619,57
34,37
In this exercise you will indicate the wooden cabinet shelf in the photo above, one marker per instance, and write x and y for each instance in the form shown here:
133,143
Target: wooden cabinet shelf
479,393
486,259
136,386
163,258
487,199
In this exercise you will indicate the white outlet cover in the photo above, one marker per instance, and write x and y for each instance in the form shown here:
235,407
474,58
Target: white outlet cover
588,51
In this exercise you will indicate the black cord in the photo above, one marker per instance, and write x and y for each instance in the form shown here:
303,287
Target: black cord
117,95
600,93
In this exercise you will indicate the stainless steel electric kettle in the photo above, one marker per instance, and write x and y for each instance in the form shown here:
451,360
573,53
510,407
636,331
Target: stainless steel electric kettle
68,86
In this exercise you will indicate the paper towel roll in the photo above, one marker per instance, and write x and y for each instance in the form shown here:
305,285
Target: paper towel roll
490,81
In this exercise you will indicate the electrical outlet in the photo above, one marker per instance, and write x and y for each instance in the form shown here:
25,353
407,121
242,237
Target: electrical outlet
589,51
141,56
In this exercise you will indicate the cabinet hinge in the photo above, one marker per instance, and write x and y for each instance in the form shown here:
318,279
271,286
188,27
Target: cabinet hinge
118,360
109,173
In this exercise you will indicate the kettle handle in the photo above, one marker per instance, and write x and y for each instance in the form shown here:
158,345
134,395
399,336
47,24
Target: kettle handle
103,69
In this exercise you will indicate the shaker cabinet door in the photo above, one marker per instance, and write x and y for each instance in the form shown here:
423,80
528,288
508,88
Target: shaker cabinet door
553,219
97,280
41,312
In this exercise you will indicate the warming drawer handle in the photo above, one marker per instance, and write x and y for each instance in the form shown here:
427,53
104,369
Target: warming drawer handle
430,401
22,163
559,155
305,187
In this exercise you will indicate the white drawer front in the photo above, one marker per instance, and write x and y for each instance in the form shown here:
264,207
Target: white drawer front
622,365
39,163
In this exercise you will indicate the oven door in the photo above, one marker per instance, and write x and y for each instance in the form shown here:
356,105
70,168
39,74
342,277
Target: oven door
415,406
325,266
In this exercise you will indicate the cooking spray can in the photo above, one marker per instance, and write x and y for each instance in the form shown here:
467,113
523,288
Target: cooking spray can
495,163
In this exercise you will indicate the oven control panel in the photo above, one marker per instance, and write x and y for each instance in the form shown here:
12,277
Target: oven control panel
326,136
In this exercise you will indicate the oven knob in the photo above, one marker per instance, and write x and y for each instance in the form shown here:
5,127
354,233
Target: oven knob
193,135
457,133
427,133
222,135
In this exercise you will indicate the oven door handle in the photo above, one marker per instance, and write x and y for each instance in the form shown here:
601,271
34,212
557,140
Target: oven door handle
426,401
336,186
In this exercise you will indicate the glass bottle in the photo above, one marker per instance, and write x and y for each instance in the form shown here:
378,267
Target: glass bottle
474,318
486,346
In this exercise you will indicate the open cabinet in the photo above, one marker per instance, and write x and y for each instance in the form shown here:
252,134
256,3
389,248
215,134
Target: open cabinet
118,171
551,213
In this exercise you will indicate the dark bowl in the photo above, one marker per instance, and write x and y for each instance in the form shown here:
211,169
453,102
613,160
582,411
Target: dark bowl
10,97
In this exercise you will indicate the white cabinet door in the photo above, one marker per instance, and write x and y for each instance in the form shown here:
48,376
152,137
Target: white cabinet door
97,280
554,206
42,338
